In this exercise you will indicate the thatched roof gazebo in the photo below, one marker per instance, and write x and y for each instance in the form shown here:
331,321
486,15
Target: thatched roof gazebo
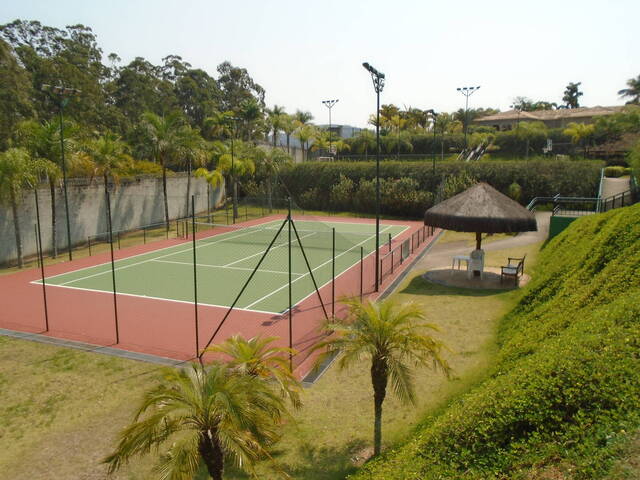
481,209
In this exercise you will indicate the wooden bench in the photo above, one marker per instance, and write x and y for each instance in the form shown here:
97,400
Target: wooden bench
514,269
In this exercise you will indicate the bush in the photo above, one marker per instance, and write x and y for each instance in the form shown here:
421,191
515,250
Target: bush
312,183
564,389
616,171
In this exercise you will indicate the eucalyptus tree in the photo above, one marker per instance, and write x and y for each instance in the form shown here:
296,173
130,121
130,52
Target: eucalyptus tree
42,141
203,416
17,172
108,153
167,140
16,95
393,337
632,91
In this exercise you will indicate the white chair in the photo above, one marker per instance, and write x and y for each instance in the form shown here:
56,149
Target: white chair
476,263
459,259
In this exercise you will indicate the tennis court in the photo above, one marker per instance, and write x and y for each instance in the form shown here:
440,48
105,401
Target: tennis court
226,256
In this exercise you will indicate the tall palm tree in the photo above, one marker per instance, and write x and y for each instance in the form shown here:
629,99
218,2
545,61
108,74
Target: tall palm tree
269,162
108,153
193,153
365,140
288,125
211,414
633,91
252,118
304,133
17,171
42,140
219,125
303,118
166,139
238,165
275,119
259,358
392,336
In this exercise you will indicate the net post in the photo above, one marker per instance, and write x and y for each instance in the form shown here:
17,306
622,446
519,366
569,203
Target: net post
361,271
195,271
333,272
113,269
41,259
144,235
290,291
389,242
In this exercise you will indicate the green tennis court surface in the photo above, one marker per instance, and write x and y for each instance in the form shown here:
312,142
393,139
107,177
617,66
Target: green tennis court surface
225,259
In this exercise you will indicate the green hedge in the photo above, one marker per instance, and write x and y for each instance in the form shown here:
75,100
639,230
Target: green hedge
616,171
408,187
564,391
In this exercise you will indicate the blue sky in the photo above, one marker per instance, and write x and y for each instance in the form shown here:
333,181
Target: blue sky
302,52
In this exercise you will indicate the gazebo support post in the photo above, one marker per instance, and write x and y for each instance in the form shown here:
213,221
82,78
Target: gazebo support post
478,240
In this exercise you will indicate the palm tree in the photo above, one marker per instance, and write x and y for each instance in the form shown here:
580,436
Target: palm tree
219,125
42,140
275,119
633,91
193,152
214,178
288,125
258,358
166,139
304,133
365,140
210,414
269,162
239,164
17,171
392,336
251,115
320,140
108,153
580,133
303,118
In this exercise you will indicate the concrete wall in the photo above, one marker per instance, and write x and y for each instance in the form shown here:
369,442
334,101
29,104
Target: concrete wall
134,202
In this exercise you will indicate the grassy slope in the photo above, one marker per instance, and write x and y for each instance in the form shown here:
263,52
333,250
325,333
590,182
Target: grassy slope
61,409
564,391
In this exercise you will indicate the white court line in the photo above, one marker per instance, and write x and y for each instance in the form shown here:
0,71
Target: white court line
150,252
272,248
152,259
314,269
225,266
190,302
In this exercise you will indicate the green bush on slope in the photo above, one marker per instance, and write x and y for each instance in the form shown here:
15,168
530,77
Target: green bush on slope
565,386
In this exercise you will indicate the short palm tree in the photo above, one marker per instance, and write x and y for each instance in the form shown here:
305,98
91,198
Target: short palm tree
304,133
210,414
258,357
17,171
393,336
580,134
633,91
240,164
269,162
302,117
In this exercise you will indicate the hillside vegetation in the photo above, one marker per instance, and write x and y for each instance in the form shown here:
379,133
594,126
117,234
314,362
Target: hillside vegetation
563,395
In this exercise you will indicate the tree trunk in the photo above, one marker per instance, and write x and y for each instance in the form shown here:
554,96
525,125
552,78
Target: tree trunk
212,456
379,377
288,141
16,226
164,193
54,243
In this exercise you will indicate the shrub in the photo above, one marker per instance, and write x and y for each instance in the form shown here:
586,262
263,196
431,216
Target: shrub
515,191
564,388
615,171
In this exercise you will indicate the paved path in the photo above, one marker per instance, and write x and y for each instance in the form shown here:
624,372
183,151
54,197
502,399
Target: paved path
614,186
441,253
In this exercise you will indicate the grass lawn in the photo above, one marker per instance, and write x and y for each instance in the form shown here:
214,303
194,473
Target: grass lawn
61,409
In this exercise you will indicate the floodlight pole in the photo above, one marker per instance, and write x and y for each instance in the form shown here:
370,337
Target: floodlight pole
329,104
434,114
63,94
378,84
467,92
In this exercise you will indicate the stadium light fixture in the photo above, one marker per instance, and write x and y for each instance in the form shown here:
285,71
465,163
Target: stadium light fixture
329,104
378,84
467,92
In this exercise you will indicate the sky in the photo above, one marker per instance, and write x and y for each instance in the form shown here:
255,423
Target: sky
303,52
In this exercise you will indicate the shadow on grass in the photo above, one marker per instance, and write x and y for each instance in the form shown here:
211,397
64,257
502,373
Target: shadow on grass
420,286
312,463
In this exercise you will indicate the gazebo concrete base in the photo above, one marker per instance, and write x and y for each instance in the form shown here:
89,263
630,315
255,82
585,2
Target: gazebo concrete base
460,278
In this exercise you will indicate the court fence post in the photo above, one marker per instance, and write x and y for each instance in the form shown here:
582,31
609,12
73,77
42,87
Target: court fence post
290,292
41,259
389,242
89,242
144,235
113,268
333,272
361,271
195,271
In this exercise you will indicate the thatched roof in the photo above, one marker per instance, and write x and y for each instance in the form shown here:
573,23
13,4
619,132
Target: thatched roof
481,208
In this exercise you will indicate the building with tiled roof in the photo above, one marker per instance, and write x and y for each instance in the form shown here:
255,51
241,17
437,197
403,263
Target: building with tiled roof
551,118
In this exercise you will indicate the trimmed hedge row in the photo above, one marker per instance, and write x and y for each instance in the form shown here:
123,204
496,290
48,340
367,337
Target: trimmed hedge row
564,391
408,188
